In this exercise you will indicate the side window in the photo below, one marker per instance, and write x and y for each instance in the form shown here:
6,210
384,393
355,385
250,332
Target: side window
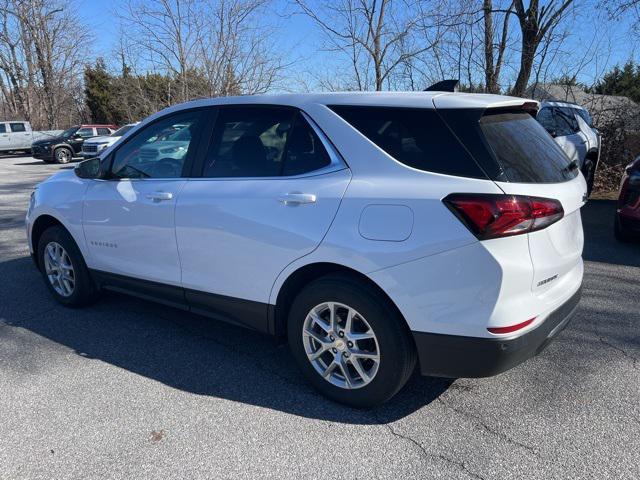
305,152
416,137
159,150
3,128
568,115
545,117
585,116
103,131
563,125
85,132
18,127
249,142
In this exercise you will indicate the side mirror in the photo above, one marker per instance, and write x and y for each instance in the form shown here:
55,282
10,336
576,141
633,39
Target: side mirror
89,168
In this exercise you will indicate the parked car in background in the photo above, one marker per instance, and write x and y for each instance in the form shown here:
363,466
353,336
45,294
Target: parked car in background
373,230
627,222
68,145
93,146
572,128
17,135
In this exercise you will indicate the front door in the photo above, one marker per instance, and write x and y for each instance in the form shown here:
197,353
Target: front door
268,192
129,219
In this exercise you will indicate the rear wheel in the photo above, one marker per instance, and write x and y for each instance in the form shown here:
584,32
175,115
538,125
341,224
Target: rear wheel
351,344
62,155
63,268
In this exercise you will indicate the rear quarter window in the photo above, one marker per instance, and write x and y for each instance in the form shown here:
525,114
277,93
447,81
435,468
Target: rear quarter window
416,137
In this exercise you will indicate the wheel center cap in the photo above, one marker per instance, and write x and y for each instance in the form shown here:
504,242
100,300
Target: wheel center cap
340,345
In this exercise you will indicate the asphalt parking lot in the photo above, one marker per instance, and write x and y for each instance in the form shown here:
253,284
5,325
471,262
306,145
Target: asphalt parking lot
128,389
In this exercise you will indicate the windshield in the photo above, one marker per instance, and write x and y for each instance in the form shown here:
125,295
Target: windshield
121,131
69,131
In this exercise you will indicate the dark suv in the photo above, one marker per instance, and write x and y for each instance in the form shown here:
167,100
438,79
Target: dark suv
68,144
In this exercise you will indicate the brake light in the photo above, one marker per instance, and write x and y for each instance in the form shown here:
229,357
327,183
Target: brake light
494,216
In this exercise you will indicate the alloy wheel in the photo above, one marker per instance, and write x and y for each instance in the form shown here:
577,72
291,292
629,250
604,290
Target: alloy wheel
341,345
62,155
59,269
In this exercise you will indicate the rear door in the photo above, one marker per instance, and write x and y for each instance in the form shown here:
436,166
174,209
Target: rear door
268,190
20,135
534,165
574,139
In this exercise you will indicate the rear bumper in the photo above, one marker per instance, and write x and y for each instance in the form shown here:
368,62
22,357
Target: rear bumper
457,356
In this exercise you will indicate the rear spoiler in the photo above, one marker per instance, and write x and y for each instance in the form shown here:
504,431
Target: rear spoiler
450,85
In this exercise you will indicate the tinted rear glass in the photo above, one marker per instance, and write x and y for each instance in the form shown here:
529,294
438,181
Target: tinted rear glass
523,149
416,137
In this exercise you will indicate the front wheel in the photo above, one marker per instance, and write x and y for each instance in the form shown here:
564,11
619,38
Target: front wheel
589,172
63,268
62,155
350,342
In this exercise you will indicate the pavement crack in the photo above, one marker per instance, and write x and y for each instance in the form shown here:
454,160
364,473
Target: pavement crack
634,359
487,428
425,453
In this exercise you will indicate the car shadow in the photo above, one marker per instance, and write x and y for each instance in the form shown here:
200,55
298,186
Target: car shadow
600,244
37,162
185,351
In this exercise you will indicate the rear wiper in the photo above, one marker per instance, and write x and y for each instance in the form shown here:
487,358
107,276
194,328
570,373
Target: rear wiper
572,166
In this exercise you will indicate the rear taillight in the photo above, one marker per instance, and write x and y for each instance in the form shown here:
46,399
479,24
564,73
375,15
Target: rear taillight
493,216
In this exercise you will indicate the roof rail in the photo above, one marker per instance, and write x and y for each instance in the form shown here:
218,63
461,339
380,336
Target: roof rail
449,85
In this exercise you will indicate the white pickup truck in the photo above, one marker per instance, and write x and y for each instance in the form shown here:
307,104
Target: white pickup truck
17,135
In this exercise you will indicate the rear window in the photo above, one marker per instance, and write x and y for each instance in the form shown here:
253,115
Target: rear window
416,137
525,152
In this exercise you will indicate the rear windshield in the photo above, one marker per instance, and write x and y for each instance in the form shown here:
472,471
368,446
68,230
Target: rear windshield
416,137
525,152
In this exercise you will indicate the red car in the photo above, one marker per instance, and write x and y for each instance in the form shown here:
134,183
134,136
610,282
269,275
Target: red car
627,226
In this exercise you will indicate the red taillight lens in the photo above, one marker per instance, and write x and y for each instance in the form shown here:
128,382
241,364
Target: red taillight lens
493,216
511,328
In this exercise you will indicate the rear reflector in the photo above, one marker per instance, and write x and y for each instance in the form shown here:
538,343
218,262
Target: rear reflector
511,328
494,216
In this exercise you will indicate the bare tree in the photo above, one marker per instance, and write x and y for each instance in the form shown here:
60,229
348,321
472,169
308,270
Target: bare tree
535,23
493,67
41,47
205,47
375,36
167,33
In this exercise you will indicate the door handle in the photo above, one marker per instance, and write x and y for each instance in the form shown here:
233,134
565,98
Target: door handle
295,198
160,196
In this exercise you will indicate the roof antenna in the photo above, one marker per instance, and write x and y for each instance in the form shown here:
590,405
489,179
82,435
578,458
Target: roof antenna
450,85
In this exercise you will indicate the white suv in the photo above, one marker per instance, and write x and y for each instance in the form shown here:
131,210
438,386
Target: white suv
371,229
572,128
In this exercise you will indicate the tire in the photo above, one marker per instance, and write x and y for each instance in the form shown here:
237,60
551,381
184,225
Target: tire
392,341
62,155
84,290
589,175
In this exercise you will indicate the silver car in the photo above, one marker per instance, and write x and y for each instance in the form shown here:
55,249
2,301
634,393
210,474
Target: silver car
572,128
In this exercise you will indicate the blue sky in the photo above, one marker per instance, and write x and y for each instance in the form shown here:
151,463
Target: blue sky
300,36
